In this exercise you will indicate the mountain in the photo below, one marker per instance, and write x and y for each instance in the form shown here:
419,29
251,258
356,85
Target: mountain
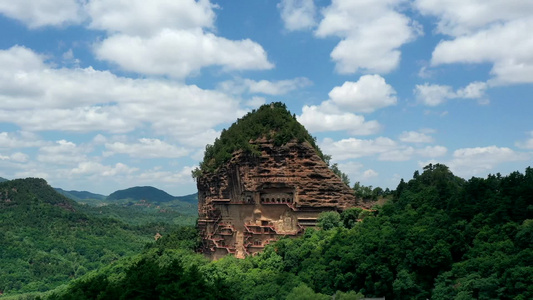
3,179
148,193
272,122
48,239
191,199
80,195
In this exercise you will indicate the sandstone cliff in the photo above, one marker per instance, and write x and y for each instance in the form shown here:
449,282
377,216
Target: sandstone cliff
255,198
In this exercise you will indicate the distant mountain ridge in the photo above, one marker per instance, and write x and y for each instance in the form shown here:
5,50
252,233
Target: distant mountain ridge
138,193
3,179
80,195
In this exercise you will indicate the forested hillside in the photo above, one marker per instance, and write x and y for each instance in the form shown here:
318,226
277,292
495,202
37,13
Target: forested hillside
47,239
80,195
441,237
137,193
271,121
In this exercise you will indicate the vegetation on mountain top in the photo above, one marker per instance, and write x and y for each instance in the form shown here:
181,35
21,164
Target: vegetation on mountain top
80,195
147,193
272,121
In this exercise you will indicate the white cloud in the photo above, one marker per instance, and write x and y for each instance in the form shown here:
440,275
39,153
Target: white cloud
298,14
17,157
169,38
474,90
36,14
401,153
372,33
158,37
180,53
369,174
20,157
528,143
146,18
475,26
255,102
355,148
37,97
369,93
155,176
432,151
267,87
415,137
458,18
62,152
318,119
146,148
91,168
11,140
435,94
468,162
280,87
384,148
356,172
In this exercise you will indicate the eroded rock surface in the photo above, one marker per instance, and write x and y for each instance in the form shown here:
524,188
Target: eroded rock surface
253,200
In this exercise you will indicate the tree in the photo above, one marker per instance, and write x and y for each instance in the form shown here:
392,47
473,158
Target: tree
338,172
328,220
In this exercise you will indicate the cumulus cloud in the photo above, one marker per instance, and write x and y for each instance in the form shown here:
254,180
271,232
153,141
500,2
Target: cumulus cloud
435,94
280,87
371,31
475,25
62,152
91,168
316,119
36,14
157,175
156,37
266,87
146,18
468,162
356,171
146,148
17,157
415,137
355,148
255,102
369,174
528,143
298,14
385,149
369,93
87,100
169,38
180,53
13,140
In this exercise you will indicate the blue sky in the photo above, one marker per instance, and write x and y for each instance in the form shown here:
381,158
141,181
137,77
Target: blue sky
102,95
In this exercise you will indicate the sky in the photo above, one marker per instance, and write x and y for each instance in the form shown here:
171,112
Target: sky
102,95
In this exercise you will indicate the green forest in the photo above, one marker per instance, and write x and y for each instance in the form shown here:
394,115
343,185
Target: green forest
438,237
48,239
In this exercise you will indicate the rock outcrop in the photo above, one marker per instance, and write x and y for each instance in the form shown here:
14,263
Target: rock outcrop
254,199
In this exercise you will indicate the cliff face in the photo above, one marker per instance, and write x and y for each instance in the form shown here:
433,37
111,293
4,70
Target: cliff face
253,200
